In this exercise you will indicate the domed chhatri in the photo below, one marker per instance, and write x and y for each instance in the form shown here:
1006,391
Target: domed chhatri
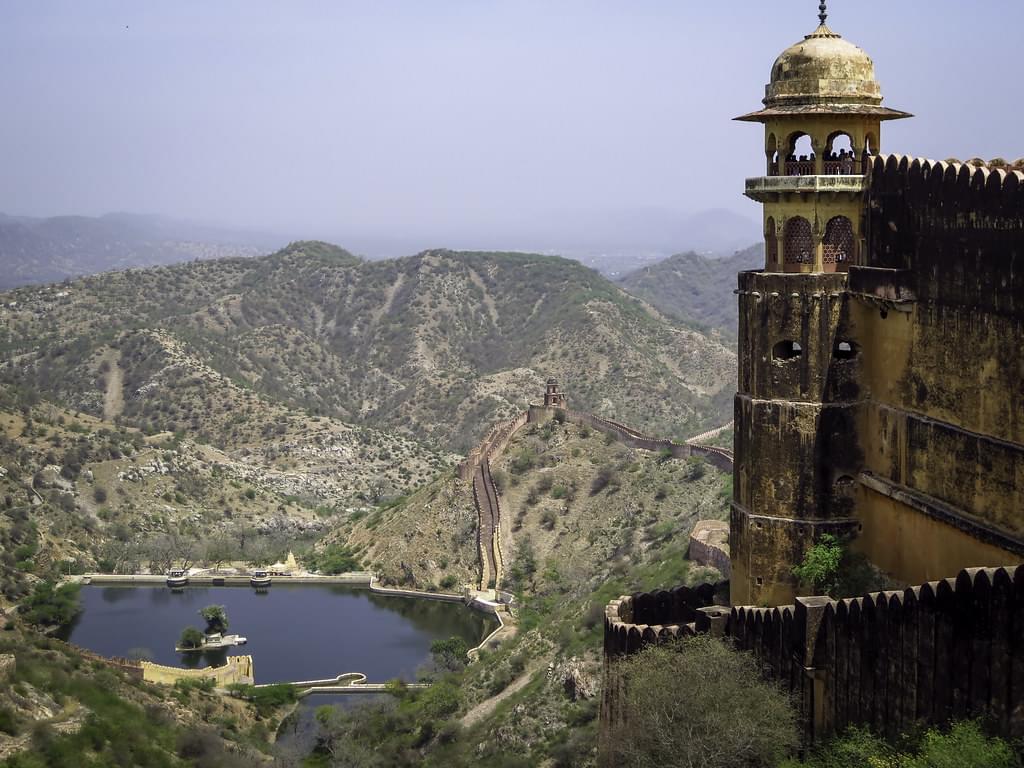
823,74
822,115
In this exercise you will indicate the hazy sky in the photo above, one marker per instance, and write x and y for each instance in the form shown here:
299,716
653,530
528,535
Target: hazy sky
452,115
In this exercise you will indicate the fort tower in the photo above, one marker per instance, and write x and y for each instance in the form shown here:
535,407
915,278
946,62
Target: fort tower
822,115
553,396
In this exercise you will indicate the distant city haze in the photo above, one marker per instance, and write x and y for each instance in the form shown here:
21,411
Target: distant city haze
389,126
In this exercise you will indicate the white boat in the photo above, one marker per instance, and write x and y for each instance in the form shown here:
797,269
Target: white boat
259,579
177,578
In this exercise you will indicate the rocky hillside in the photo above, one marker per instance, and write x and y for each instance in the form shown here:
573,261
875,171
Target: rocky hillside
435,346
60,708
48,250
588,519
80,493
695,289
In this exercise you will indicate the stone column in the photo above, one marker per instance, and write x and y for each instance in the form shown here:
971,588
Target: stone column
807,626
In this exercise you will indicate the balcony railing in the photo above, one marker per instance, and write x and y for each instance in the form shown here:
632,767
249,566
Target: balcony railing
770,185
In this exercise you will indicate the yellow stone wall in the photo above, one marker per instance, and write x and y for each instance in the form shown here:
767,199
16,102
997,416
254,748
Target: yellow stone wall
238,669
915,548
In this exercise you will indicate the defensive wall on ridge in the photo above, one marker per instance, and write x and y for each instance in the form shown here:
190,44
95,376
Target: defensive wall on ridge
948,649
476,469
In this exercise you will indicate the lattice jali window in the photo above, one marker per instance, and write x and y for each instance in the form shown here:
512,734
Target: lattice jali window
771,243
838,242
799,245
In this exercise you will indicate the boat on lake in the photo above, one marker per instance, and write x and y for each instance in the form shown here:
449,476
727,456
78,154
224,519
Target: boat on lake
177,578
259,579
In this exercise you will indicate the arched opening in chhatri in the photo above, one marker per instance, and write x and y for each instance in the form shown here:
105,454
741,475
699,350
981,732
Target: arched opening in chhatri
800,157
839,157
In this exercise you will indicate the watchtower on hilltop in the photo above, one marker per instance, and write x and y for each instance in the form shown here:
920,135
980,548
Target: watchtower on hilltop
553,397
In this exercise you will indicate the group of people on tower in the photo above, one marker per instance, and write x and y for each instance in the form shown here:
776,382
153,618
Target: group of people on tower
840,163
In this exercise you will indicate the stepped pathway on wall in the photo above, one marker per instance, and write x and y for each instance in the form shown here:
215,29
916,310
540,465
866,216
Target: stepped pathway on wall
488,514
477,469
711,433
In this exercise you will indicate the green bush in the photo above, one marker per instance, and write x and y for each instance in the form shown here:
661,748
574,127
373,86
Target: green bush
334,559
9,722
698,702
819,570
449,582
51,606
965,745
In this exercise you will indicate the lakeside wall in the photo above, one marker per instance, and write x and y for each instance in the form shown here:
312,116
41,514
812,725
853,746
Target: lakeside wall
237,669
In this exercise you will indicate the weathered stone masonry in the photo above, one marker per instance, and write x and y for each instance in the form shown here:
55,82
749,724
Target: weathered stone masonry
946,649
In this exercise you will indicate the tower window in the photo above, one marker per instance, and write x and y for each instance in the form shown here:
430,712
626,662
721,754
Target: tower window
844,350
787,350
837,245
799,241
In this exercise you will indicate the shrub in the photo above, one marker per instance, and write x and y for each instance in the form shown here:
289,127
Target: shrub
51,606
449,582
728,716
965,745
336,558
606,475
9,721
819,570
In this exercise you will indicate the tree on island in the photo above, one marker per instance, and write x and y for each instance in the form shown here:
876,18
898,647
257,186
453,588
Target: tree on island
216,619
190,638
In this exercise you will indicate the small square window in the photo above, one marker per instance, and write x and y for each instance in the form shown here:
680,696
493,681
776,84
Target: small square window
760,581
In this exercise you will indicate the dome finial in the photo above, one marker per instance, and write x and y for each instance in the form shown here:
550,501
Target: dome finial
823,11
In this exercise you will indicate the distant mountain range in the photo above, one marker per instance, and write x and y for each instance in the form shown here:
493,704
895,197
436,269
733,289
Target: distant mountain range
44,250
53,249
695,289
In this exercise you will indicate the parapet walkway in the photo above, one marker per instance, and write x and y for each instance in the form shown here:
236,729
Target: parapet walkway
477,470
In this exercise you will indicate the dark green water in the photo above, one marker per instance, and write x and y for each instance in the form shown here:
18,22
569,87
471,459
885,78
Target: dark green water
295,632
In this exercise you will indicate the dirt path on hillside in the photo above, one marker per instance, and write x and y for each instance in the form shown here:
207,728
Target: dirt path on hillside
113,398
486,707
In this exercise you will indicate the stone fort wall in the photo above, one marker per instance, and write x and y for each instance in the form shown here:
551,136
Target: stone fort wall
900,418
946,649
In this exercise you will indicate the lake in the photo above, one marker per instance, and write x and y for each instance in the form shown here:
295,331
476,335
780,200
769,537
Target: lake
296,632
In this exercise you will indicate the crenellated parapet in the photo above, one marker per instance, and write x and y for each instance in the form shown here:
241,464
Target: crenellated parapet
944,650
956,227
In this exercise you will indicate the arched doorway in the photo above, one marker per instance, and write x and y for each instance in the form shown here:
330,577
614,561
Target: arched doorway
771,245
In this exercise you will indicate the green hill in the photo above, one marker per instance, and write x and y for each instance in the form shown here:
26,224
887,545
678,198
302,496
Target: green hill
695,289
435,346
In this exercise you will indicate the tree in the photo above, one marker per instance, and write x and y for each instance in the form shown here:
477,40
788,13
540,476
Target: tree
698,702
217,550
190,638
819,570
51,606
216,618
450,654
